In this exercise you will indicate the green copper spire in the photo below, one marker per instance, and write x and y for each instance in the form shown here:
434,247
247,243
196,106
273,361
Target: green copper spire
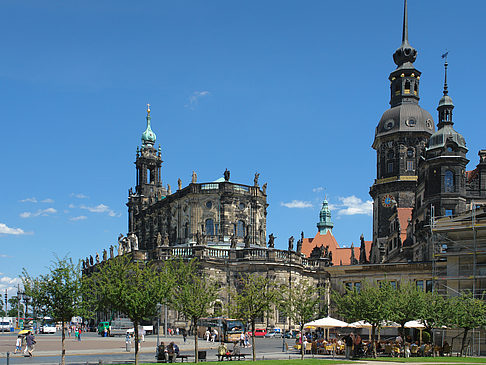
325,225
148,137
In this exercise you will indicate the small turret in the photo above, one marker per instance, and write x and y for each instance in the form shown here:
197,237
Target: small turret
325,225
148,137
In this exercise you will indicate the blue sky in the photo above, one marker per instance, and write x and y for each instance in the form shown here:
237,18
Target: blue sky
291,89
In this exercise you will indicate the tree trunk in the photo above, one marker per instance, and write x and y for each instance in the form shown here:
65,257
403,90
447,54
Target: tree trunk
253,339
463,344
63,337
196,352
135,332
373,334
302,349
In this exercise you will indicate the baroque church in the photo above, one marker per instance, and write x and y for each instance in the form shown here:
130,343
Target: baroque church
421,185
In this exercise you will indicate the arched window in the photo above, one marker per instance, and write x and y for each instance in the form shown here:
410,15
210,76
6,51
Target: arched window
449,181
240,229
389,163
209,227
407,87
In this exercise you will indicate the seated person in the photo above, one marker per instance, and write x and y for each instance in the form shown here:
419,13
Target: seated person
446,349
171,352
161,352
222,349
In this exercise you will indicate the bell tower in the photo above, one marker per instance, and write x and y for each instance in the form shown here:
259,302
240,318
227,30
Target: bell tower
400,138
148,188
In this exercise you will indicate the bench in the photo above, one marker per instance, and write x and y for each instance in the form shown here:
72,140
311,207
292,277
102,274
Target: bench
232,356
179,356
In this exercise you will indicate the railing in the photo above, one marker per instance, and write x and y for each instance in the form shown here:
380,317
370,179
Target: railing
216,252
214,186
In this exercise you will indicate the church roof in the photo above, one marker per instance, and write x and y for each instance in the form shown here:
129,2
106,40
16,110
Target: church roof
404,214
339,254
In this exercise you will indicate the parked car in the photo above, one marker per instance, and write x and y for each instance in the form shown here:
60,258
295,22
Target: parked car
291,334
260,332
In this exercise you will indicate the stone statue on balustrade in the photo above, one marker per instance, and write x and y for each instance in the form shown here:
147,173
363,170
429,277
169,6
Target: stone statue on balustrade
123,246
133,241
299,247
105,255
255,180
291,243
90,260
179,184
87,261
84,264
271,241
264,188
247,237
169,191
194,177
159,239
111,251
97,258
233,241
226,175
165,243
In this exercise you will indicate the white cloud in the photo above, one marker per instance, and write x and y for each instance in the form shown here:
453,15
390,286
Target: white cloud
79,196
78,218
40,212
352,205
297,204
318,189
29,200
9,283
100,208
4,229
34,200
194,98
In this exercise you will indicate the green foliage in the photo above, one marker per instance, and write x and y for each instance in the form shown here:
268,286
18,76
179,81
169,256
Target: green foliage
56,294
132,288
13,306
433,310
191,293
253,298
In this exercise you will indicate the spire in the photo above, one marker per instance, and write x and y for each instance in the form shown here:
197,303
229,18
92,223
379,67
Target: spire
445,104
325,225
406,54
148,137
405,24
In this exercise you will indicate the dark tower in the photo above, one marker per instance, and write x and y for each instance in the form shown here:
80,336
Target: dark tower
400,138
148,187
442,172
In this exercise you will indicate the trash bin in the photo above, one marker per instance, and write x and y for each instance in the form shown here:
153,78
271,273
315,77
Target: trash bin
201,355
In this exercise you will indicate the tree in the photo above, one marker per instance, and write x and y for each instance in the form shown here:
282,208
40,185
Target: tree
13,305
433,310
406,305
132,288
251,300
301,303
371,304
56,294
466,312
192,294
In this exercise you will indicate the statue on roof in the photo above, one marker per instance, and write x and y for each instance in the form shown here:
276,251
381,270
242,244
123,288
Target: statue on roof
226,175
97,258
169,191
291,243
233,241
255,180
105,255
247,237
299,247
264,188
194,177
179,184
111,251
166,240
271,241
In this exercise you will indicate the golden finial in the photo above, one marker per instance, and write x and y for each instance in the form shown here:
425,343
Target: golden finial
148,109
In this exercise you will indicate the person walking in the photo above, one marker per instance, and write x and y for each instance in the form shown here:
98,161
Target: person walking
79,334
184,334
30,341
18,344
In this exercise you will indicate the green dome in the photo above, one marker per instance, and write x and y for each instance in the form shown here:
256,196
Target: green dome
148,137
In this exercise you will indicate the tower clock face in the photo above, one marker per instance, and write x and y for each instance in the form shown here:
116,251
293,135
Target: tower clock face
386,201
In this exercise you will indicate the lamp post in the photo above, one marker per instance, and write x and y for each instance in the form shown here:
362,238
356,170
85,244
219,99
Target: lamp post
159,307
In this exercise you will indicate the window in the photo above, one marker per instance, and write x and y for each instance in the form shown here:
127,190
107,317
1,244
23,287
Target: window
409,165
393,284
410,152
209,227
240,229
389,168
357,286
209,204
348,286
428,285
449,181
419,285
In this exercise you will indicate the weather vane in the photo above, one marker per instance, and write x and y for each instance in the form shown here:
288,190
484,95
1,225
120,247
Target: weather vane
148,108
444,55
